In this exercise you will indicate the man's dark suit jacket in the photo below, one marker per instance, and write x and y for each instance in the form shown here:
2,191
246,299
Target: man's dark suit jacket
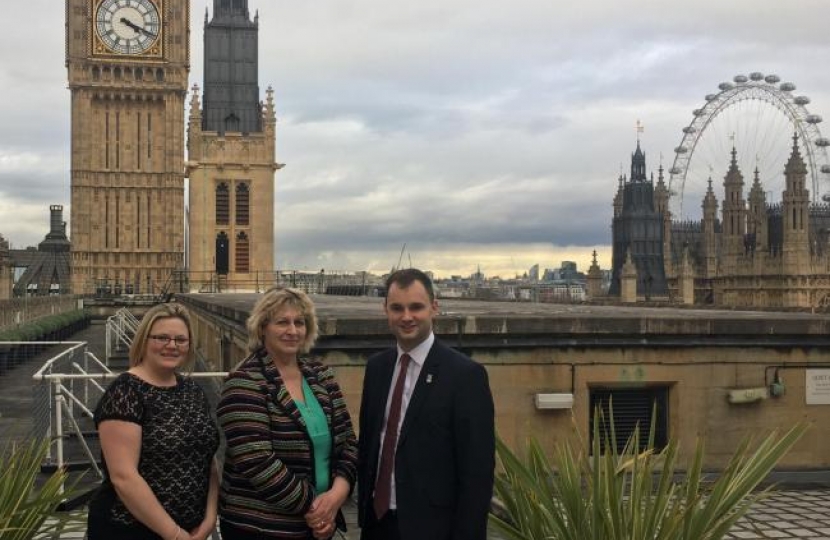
445,459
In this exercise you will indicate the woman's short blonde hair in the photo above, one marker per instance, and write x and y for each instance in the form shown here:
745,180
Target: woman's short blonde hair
270,305
155,313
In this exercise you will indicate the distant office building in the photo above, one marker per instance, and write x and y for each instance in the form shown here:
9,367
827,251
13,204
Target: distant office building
569,271
533,273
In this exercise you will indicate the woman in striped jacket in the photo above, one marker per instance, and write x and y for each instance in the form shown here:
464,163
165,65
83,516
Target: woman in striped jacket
291,454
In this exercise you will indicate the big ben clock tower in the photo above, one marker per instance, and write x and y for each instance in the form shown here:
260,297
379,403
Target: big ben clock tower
128,63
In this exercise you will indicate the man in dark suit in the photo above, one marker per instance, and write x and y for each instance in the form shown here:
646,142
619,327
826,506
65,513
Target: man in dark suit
427,442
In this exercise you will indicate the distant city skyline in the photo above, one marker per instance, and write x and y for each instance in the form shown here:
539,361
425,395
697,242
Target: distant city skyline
481,135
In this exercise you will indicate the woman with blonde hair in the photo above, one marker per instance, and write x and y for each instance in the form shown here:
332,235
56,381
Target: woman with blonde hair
291,454
158,441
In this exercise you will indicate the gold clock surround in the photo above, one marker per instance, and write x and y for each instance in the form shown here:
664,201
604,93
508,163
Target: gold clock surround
99,48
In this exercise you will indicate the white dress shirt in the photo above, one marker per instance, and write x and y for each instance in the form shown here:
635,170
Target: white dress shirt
419,356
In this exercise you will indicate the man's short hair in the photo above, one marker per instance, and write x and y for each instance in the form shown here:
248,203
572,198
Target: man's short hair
407,276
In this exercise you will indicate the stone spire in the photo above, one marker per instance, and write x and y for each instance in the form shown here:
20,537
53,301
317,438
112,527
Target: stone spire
638,165
195,104
796,206
710,233
230,101
594,279
734,208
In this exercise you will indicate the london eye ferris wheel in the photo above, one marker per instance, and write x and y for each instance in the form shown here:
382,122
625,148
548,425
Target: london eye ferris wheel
758,116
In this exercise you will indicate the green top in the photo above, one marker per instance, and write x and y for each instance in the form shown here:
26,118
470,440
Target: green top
318,430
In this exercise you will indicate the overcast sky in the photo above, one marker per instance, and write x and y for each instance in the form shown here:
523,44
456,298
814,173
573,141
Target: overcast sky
479,133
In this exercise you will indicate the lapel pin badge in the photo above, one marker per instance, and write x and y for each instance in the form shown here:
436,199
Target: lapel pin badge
429,378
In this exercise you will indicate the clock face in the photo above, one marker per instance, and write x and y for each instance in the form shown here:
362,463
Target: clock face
127,26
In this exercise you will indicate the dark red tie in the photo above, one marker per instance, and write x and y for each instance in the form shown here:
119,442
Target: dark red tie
383,486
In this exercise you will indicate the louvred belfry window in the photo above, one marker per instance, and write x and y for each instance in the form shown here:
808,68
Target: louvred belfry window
243,260
242,204
223,210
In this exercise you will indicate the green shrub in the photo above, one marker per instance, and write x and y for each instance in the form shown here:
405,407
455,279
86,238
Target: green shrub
609,495
25,508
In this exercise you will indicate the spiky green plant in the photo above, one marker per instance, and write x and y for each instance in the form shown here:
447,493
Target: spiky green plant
24,506
606,494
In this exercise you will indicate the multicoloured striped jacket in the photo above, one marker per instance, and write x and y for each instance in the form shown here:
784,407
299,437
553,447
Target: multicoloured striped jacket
268,476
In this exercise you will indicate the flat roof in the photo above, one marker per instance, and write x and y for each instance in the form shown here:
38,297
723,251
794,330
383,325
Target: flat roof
363,316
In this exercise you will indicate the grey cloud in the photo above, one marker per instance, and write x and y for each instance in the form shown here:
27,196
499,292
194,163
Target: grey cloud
453,125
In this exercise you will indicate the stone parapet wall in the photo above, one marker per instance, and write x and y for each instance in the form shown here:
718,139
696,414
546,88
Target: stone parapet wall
699,356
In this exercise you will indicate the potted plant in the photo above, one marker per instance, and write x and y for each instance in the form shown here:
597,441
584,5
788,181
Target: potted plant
24,506
601,493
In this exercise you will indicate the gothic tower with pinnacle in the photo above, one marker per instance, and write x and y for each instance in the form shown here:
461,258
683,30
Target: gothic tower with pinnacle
231,159
760,254
128,64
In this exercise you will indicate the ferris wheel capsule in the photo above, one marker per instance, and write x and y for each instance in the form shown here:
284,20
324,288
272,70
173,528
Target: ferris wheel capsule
726,86
683,149
675,170
787,87
710,97
825,169
697,112
772,79
740,79
822,142
689,129
756,76
813,119
801,100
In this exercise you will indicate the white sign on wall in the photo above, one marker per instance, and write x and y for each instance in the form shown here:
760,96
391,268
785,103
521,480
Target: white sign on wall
818,386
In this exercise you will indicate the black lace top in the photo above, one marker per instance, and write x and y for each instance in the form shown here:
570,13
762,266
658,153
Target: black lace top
178,441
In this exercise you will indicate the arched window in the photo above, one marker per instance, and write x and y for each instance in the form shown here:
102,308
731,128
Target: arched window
243,200
222,254
231,123
243,250
223,204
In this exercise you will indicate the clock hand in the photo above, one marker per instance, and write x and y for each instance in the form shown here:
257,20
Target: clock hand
131,24
137,29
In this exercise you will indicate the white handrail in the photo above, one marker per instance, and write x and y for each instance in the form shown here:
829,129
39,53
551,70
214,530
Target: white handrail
65,399
85,446
84,372
75,345
66,391
103,366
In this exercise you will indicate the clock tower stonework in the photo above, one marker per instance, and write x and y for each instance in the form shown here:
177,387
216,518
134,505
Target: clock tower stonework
128,64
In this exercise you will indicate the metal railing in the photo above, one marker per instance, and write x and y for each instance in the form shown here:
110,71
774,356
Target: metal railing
322,282
120,329
67,389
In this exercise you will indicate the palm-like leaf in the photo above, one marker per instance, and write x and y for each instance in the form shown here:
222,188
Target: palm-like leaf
25,507
606,494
